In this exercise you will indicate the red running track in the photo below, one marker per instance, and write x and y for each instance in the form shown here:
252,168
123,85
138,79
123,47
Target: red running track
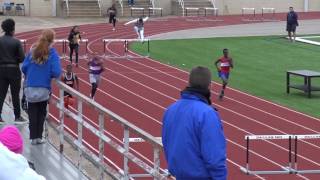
140,89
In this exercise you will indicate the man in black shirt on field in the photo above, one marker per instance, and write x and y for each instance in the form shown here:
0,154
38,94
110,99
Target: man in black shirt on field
11,55
292,23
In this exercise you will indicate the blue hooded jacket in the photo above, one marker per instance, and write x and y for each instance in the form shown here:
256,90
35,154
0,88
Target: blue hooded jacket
193,139
40,75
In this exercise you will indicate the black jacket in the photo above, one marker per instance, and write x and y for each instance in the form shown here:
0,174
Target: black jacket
292,18
11,51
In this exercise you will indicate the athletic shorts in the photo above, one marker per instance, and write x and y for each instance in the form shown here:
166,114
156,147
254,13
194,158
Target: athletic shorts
223,75
291,27
94,78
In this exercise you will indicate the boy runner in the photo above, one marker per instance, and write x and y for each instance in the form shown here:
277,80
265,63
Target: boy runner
70,79
223,66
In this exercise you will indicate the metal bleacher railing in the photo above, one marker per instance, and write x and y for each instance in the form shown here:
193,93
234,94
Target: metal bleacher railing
100,6
121,5
151,169
67,6
181,3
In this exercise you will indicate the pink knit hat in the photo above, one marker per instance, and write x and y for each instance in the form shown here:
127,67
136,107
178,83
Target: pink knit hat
12,139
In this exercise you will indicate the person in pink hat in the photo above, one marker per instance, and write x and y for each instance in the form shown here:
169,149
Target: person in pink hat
12,164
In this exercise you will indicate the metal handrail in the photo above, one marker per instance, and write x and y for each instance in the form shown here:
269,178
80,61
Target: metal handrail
181,2
103,139
121,5
67,6
213,3
100,6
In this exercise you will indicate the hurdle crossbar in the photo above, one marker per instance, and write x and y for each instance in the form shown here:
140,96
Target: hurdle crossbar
292,164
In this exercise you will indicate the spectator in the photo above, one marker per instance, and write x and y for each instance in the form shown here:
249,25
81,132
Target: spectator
192,133
12,164
292,23
11,55
74,39
131,2
40,66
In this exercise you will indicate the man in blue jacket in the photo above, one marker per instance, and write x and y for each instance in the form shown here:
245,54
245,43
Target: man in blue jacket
192,133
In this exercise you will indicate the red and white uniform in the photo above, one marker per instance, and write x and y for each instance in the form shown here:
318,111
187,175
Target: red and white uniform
225,64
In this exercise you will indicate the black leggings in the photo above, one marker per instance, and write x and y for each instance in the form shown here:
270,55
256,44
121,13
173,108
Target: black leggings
94,89
37,114
113,20
10,76
76,49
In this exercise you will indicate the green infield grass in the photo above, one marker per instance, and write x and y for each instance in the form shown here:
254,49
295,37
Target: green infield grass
260,64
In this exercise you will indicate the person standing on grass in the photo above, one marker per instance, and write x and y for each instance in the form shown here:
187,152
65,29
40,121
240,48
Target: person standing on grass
70,79
112,12
11,55
223,66
39,67
74,39
139,29
192,133
292,23
95,70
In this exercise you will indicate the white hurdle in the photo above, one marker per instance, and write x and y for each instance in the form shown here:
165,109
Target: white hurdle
268,10
214,11
292,167
243,13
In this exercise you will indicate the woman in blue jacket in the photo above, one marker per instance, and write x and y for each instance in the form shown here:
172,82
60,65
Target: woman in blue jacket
40,66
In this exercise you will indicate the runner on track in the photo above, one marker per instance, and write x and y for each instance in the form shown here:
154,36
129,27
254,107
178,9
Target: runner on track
223,66
95,70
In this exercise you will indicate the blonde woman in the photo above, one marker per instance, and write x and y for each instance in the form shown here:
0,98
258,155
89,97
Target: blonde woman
40,66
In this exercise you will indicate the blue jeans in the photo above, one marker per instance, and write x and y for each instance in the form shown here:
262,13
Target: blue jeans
131,2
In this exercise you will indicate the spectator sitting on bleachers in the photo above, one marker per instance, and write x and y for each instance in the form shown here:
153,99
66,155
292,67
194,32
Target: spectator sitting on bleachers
12,164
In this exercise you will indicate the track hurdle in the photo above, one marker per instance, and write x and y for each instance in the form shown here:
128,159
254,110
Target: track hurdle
126,43
64,47
265,11
136,9
251,16
215,11
292,167
153,10
191,9
85,56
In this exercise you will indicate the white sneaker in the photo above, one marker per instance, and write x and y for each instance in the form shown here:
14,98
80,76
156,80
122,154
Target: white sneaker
41,141
34,141
113,29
